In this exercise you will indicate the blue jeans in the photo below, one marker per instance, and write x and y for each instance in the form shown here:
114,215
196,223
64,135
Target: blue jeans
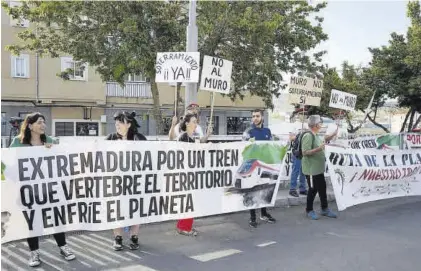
296,171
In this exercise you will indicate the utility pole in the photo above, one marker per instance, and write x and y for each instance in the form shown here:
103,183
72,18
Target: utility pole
190,95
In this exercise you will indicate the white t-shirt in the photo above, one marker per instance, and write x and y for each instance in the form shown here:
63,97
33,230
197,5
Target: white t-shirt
197,133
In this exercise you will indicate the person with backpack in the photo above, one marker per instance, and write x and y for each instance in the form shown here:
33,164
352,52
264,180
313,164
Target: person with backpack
258,132
296,172
126,129
313,167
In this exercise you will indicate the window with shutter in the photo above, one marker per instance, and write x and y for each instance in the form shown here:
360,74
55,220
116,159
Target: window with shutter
20,66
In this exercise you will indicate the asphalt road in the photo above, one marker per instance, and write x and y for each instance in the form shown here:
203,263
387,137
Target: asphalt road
383,235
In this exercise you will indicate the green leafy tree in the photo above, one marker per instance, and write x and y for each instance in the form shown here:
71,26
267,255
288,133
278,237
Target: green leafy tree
263,39
117,38
397,66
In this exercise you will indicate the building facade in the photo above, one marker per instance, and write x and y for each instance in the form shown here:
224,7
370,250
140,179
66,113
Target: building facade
84,104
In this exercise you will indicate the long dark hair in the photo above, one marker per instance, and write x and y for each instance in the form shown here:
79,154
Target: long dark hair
25,132
123,116
186,119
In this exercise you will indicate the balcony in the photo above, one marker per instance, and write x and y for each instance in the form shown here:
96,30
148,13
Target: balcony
130,90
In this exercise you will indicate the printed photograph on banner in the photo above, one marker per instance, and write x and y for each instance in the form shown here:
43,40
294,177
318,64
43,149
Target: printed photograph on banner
342,100
107,185
305,90
360,176
216,75
257,179
182,67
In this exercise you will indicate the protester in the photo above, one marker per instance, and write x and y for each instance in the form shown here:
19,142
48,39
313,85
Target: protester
313,167
126,129
296,172
258,132
32,133
175,130
188,126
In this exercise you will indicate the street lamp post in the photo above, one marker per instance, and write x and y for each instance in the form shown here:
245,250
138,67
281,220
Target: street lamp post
190,95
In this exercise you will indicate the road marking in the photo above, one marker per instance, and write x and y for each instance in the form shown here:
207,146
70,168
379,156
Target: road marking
133,255
83,255
107,249
51,256
42,259
215,255
105,258
19,257
101,237
266,244
137,267
11,264
335,234
108,240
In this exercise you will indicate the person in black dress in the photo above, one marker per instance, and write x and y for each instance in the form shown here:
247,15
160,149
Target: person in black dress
126,129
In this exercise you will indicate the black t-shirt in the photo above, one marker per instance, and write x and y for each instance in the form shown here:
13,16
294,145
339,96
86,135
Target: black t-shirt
115,136
185,138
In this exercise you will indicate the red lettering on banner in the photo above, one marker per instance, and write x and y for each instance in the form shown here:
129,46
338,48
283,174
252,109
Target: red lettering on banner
414,139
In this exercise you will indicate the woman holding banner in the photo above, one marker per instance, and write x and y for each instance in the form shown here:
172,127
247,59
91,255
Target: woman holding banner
32,133
188,127
126,129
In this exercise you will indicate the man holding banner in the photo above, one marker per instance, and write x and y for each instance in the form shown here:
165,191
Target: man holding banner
313,167
258,132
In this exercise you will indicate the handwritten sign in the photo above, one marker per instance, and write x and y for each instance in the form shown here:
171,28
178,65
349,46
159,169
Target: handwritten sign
177,67
305,90
342,100
216,75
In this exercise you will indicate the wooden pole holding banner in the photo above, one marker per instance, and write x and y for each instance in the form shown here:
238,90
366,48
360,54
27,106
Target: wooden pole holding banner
302,120
210,125
175,100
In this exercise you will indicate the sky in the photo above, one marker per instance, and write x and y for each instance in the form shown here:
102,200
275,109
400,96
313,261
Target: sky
355,25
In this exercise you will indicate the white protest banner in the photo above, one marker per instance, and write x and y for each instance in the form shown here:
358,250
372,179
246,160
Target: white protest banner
342,100
387,141
360,176
103,185
305,90
216,75
180,67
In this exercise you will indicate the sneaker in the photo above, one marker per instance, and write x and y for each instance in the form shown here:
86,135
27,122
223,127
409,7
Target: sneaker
34,258
253,224
67,253
118,243
135,242
293,193
312,215
268,218
304,193
328,213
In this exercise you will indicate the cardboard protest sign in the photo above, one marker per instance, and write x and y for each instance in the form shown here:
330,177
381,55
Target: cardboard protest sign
216,75
360,176
342,100
305,91
106,185
177,67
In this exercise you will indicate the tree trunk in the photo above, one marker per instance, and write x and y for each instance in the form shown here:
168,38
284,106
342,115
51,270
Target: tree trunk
373,120
411,120
405,121
157,114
